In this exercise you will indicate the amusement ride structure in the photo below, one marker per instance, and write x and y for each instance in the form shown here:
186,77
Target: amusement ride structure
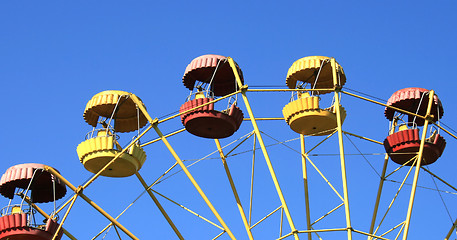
218,112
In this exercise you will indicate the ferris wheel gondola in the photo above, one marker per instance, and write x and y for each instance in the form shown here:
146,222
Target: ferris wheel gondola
113,111
303,113
215,73
404,141
18,220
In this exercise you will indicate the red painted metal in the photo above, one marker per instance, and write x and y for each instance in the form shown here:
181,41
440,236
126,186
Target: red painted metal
41,189
16,227
209,123
202,68
403,145
409,99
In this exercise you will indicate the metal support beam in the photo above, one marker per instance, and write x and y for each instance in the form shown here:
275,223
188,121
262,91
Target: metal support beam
162,210
381,184
88,200
340,140
235,193
192,179
27,199
264,149
418,164
305,184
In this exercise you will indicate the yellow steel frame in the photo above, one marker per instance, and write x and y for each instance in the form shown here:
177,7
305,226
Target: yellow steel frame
262,146
154,124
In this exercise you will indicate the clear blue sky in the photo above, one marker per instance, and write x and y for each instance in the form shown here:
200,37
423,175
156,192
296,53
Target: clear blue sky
55,55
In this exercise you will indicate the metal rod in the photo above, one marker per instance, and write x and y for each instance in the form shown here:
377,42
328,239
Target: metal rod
64,217
393,199
325,179
449,185
390,230
418,165
162,210
187,209
451,230
193,181
291,90
261,220
364,138
325,215
305,184
280,222
115,157
323,140
370,235
235,193
378,196
88,200
385,105
251,192
340,141
315,231
158,139
27,199
262,146
381,184
118,216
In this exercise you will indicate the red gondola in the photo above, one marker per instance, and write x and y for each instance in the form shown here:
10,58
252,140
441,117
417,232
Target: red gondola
403,143
18,221
214,73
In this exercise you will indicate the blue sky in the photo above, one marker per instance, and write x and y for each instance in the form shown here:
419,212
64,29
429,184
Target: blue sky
55,55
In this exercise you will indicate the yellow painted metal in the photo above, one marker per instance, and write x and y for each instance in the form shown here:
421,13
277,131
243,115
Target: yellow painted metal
393,200
435,176
104,103
390,230
89,201
116,157
291,90
280,224
27,199
305,117
305,184
162,210
322,141
364,138
383,104
340,141
451,230
418,165
325,215
378,196
305,69
65,217
251,192
370,235
168,135
149,187
189,210
235,193
194,182
325,179
381,184
96,152
262,146
314,231
218,235
267,216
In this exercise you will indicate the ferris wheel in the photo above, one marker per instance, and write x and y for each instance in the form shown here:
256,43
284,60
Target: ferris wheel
302,188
